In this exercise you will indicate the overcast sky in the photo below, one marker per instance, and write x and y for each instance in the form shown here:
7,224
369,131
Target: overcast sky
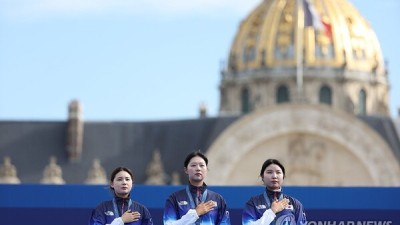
134,60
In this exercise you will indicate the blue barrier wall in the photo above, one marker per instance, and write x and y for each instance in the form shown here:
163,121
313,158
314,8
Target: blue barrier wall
72,204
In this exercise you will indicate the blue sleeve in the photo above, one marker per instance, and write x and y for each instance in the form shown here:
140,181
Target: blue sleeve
146,216
300,214
223,218
249,213
98,217
170,214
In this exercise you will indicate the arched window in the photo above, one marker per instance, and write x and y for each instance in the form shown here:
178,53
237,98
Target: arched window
245,100
325,95
362,102
282,94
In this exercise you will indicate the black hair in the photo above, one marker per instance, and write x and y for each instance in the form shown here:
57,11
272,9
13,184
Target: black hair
117,170
269,162
194,154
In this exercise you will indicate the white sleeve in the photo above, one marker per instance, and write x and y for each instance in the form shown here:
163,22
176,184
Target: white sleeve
189,218
267,217
117,221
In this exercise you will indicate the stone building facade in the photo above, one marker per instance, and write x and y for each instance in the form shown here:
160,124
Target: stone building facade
315,98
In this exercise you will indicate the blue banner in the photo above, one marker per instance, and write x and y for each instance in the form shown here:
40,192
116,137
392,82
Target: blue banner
72,204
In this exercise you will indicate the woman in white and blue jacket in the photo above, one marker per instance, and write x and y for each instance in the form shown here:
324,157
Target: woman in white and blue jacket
121,209
273,207
196,204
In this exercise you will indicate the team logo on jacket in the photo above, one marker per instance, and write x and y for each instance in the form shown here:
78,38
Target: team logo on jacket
109,213
287,219
183,203
289,207
261,206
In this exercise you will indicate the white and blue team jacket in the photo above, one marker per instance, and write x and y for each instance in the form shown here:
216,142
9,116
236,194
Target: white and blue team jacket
257,212
109,212
180,208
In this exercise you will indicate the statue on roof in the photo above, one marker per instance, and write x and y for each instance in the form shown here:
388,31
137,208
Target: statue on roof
155,170
52,174
175,178
97,174
8,172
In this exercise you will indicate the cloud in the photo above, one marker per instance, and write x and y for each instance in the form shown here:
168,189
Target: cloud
169,8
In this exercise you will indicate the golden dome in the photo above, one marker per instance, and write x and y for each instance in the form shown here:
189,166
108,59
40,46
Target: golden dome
271,35
278,55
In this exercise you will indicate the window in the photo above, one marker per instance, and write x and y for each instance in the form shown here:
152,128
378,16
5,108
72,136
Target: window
325,95
282,94
245,100
362,102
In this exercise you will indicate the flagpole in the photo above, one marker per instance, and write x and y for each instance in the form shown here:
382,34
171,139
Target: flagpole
299,50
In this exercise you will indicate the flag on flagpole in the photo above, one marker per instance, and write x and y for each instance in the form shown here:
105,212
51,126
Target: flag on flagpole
311,16
313,19
327,29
